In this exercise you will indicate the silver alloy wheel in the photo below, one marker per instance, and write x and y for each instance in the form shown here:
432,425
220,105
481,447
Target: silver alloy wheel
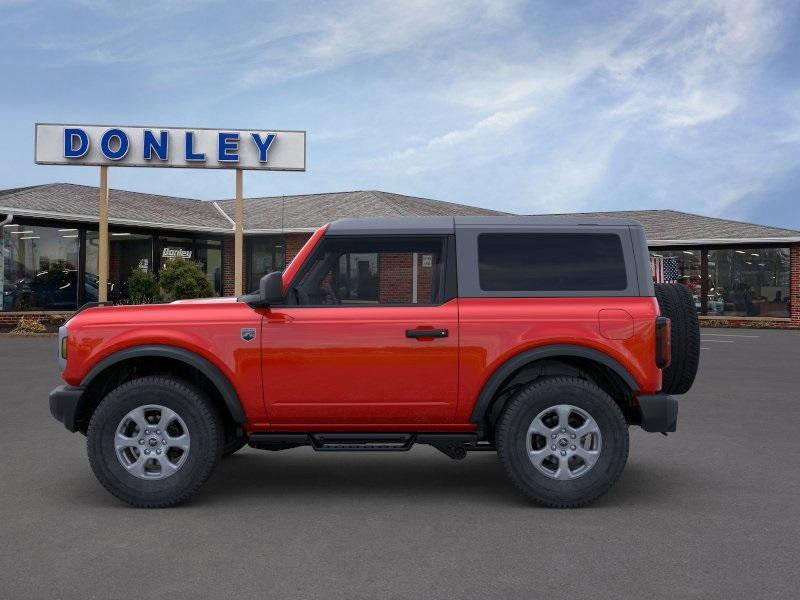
152,442
564,442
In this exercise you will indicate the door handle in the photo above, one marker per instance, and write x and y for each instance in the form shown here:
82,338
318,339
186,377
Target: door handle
427,333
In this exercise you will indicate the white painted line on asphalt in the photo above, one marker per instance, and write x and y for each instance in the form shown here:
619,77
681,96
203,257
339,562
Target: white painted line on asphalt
730,335
719,341
701,348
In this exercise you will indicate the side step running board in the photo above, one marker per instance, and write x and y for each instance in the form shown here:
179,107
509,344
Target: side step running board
454,445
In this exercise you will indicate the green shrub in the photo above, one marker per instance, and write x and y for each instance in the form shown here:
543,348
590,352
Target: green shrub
143,287
181,279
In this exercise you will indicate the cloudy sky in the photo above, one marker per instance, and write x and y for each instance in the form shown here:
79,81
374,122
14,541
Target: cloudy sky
530,107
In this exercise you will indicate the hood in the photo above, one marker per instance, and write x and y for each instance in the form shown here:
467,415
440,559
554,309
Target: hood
206,300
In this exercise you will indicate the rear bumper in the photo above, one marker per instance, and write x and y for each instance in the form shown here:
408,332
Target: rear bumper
659,412
65,401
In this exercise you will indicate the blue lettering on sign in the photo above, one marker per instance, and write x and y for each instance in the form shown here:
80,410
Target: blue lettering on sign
71,136
159,146
228,147
122,147
263,145
190,153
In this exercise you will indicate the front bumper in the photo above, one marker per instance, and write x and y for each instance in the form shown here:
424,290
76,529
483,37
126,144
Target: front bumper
659,412
65,402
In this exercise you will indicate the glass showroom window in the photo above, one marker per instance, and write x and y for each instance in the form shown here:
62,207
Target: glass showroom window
264,255
749,282
39,268
176,247
679,266
128,251
209,255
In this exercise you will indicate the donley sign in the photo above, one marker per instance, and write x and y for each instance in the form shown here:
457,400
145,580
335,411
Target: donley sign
197,148
107,146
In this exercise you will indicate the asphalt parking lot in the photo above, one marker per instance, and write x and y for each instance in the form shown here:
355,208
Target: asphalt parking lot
712,511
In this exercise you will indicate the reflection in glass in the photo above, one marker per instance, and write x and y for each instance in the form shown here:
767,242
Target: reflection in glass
679,266
39,268
749,282
209,255
128,251
264,255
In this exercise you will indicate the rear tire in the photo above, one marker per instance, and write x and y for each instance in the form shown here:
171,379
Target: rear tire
676,303
163,417
534,460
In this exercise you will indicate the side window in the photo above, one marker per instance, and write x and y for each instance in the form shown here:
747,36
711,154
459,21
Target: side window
536,262
372,272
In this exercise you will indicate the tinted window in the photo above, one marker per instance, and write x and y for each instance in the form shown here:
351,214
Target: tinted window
551,262
364,271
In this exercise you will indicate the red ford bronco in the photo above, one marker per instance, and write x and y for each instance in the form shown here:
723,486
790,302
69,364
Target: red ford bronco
540,338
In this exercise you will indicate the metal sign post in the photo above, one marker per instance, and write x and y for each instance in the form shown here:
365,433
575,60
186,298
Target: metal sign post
103,253
177,147
238,241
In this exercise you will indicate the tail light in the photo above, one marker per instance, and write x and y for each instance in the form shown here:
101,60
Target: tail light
663,342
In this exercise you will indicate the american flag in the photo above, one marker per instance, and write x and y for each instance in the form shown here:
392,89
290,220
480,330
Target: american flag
665,269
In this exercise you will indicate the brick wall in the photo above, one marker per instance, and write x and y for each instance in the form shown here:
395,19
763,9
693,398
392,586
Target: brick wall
394,278
395,274
228,267
294,241
45,317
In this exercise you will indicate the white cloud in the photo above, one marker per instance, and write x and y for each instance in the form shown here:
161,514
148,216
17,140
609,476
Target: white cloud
330,38
475,144
568,174
681,66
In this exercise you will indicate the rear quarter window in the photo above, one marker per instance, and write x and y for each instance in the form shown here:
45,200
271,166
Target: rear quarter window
539,262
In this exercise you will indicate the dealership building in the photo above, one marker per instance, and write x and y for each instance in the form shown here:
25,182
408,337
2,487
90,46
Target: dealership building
740,274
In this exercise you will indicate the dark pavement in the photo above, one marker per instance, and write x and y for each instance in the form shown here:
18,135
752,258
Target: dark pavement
712,511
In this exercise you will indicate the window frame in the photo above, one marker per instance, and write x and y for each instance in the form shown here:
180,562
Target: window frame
443,293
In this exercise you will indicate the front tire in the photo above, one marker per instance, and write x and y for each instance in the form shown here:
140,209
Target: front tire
153,441
563,441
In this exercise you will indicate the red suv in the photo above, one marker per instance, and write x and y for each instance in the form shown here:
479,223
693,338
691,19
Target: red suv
540,338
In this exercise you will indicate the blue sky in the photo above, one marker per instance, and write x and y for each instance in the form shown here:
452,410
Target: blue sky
529,107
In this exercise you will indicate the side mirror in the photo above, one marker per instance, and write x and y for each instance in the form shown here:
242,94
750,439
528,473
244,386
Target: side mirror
270,291
270,287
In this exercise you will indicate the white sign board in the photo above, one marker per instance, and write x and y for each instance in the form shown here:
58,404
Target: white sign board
189,148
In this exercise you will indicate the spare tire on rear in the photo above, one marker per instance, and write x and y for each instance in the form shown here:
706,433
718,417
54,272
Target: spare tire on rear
677,304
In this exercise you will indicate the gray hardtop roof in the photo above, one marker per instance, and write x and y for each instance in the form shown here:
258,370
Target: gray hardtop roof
448,225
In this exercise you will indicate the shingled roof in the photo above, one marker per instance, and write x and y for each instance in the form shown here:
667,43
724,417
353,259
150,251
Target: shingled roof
270,214
72,202
671,227
304,213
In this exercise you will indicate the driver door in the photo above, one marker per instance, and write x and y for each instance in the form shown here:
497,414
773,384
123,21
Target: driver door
368,337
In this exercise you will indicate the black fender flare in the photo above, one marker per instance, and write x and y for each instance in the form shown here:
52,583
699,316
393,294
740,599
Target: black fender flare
517,361
206,367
